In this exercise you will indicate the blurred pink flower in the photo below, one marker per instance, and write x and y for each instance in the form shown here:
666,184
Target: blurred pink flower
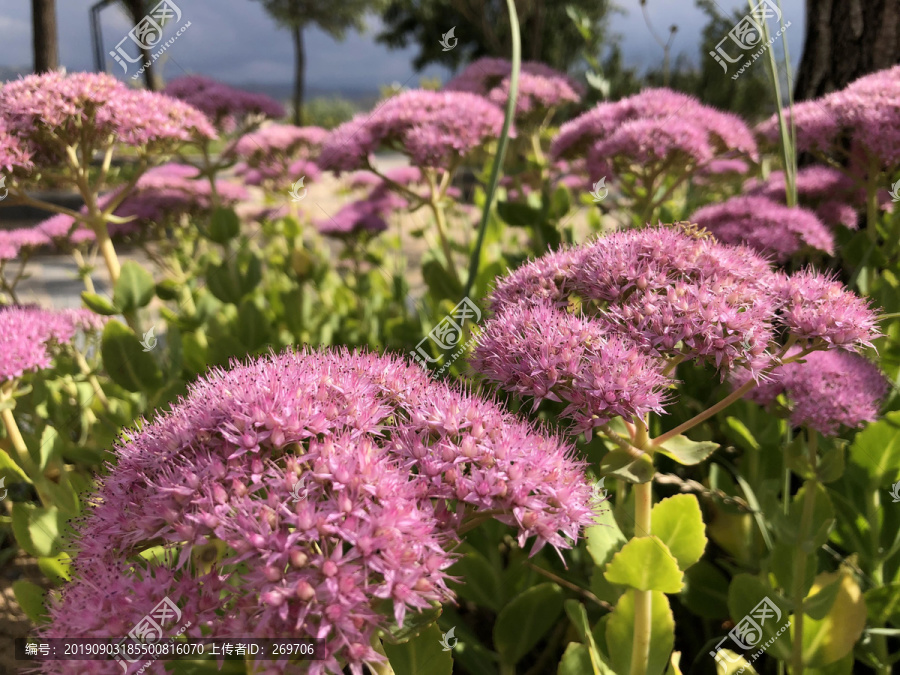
226,106
826,390
434,129
541,88
765,226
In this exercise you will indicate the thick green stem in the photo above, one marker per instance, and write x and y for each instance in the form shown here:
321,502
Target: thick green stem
640,649
91,378
798,590
440,217
873,508
23,458
516,60
798,586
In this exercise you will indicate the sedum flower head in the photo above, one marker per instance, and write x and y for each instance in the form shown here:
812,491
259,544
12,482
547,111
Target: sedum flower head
21,242
541,88
318,487
539,352
434,129
698,126
48,112
859,120
30,336
226,106
279,154
818,308
830,193
826,391
766,226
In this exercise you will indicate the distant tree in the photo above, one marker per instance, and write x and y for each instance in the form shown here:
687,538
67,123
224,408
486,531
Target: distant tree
846,39
137,10
332,16
44,38
482,29
749,95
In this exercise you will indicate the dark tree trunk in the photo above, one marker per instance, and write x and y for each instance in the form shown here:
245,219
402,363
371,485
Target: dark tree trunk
846,39
137,10
46,44
299,73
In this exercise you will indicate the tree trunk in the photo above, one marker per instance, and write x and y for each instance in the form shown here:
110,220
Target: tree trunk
137,11
299,73
846,39
46,43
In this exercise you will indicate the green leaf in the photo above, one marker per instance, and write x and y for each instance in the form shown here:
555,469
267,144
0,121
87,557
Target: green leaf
135,287
831,464
832,637
526,619
480,580
228,283
706,591
224,225
647,564
423,655
252,325
519,215
575,661
604,538
821,600
745,594
876,449
8,466
560,203
125,360
620,464
56,568
822,521
685,451
439,282
678,522
30,597
620,633
578,616
99,304
413,625
883,605
50,447
732,663
168,289
38,528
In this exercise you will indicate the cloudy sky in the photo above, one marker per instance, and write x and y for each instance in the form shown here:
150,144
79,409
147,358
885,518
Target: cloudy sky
236,41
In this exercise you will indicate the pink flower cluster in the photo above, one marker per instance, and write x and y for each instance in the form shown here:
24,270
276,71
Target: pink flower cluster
325,484
434,129
358,217
47,113
226,106
766,226
541,88
646,296
279,154
20,242
862,117
650,126
826,390
29,336
830,193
